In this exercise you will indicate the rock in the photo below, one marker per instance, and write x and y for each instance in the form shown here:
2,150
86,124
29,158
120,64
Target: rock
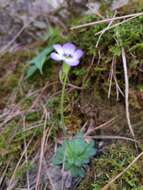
119,3
36,14
93,7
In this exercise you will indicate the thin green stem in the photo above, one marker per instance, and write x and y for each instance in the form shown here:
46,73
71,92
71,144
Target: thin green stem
62,103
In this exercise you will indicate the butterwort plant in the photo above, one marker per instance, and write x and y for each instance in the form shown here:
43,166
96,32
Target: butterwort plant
74,155
70,56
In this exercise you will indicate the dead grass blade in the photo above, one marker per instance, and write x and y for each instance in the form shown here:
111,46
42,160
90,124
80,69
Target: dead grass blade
17,165
106,124
105,29
113,137
106,20
112,75
115,25
4,173
42,149
26,155
127,92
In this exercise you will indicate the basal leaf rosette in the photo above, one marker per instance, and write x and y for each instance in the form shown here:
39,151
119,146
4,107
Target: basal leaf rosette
74,154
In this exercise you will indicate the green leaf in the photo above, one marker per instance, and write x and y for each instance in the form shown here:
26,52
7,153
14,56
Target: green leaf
74,154
53,35
58,158
40,59
77,172
31,70
96,187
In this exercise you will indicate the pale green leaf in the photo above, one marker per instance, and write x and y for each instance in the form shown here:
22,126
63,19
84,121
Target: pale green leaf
40,59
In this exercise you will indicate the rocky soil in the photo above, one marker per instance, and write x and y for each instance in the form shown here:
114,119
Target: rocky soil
30,18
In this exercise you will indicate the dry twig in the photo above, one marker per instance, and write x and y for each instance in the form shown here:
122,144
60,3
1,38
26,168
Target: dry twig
105,20
106,124
127,92
117,24
113,137
105,29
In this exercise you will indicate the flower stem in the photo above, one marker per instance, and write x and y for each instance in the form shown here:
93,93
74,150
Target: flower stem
65,74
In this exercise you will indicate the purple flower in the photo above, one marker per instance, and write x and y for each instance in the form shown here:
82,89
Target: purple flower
68,53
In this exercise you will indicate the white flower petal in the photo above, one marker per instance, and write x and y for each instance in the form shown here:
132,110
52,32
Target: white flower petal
78,54
71,61
56,56
69,48
59,49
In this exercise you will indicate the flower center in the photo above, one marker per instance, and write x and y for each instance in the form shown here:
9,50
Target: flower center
67,56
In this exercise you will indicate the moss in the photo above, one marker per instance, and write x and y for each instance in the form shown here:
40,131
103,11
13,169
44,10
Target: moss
129,36
34,116
11,69
6,145
22,170
112,162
